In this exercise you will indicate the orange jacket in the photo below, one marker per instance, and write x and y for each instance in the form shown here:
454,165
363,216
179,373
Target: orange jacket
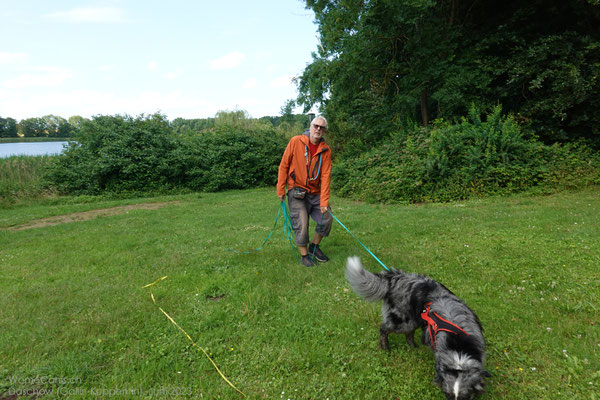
293,169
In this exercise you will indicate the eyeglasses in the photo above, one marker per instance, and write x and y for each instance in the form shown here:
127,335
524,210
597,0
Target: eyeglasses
319,126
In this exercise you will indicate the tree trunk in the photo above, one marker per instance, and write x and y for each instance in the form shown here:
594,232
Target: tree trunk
424,114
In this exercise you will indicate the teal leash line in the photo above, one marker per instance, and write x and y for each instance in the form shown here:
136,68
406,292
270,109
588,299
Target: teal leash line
288,231
361,243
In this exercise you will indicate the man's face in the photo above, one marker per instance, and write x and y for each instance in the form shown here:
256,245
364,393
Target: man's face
317,129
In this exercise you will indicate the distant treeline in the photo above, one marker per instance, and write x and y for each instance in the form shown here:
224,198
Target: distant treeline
52,126
238,118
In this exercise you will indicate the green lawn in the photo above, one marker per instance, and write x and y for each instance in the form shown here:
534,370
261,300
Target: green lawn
75,321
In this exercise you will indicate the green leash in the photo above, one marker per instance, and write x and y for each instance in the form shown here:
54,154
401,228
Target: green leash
361,243
287,231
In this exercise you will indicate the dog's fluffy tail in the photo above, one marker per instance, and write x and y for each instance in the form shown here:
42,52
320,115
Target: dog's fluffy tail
366,284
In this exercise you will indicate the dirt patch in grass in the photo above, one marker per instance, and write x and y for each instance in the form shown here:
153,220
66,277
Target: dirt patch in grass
87,215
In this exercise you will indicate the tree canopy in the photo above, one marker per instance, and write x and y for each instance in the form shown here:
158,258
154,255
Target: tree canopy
381,63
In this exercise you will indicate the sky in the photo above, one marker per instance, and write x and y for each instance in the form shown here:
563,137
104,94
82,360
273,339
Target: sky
182,58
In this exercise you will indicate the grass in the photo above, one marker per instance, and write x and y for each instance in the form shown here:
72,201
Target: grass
21,178
76,322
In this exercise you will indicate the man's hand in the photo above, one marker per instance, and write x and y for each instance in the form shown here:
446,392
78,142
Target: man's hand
323,210
282,197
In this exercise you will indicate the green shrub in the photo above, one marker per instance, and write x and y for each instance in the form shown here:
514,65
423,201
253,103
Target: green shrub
115,154
458,161
229,158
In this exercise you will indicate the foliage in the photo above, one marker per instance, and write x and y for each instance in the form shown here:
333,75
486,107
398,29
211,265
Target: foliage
189,126
46,126
229,157
380,63
292,123
124,154
458,161
116,154
8,128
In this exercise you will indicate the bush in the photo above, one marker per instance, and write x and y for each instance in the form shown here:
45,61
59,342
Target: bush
117,154
458,161
230,158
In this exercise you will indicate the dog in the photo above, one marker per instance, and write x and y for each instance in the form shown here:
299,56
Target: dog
450,327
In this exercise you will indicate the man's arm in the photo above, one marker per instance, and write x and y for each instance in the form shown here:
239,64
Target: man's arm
284,167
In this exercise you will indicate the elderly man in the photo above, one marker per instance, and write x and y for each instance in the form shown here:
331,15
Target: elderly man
305,169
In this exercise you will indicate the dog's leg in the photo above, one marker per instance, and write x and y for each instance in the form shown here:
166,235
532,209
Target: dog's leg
410,338
383,338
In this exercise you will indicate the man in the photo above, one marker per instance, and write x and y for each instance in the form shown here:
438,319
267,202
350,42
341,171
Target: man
305,169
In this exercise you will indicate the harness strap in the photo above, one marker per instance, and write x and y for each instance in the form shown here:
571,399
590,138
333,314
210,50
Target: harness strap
435,323
307,155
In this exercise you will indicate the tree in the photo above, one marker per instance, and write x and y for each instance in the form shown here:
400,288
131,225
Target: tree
46,126
55,126
287,109
381,62
239,118
75,124
8,128
32,127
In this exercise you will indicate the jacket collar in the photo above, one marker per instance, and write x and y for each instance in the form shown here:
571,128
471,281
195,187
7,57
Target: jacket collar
306,134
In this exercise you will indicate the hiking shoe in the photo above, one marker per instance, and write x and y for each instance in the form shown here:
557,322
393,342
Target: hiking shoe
315,250
307,261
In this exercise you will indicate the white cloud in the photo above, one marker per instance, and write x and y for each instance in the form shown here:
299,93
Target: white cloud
228,61
250,83
10,58
90,14
173,74
282,82
152,65
41,77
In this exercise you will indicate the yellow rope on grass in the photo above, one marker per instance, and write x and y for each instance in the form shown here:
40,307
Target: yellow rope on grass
188,336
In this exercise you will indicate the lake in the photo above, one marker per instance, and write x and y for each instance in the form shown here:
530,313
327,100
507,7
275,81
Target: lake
30,148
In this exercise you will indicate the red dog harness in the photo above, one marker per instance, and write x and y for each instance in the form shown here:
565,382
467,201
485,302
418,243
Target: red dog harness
435,323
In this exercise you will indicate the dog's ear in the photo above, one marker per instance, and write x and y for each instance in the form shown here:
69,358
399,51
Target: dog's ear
479,386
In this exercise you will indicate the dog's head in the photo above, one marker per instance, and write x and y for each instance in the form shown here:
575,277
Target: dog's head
460,377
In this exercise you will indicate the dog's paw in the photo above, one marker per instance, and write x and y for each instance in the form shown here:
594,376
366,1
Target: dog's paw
384,344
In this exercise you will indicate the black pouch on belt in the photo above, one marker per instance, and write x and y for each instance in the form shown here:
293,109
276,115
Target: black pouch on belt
298,193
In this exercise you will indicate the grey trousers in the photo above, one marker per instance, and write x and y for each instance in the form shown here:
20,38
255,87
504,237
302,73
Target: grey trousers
299,212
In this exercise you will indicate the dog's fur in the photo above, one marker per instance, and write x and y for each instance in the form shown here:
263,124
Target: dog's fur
458,358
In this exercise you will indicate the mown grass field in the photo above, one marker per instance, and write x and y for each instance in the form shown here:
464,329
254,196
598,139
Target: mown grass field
76,322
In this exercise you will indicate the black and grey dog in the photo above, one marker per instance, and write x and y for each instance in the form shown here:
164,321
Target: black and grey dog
450,328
